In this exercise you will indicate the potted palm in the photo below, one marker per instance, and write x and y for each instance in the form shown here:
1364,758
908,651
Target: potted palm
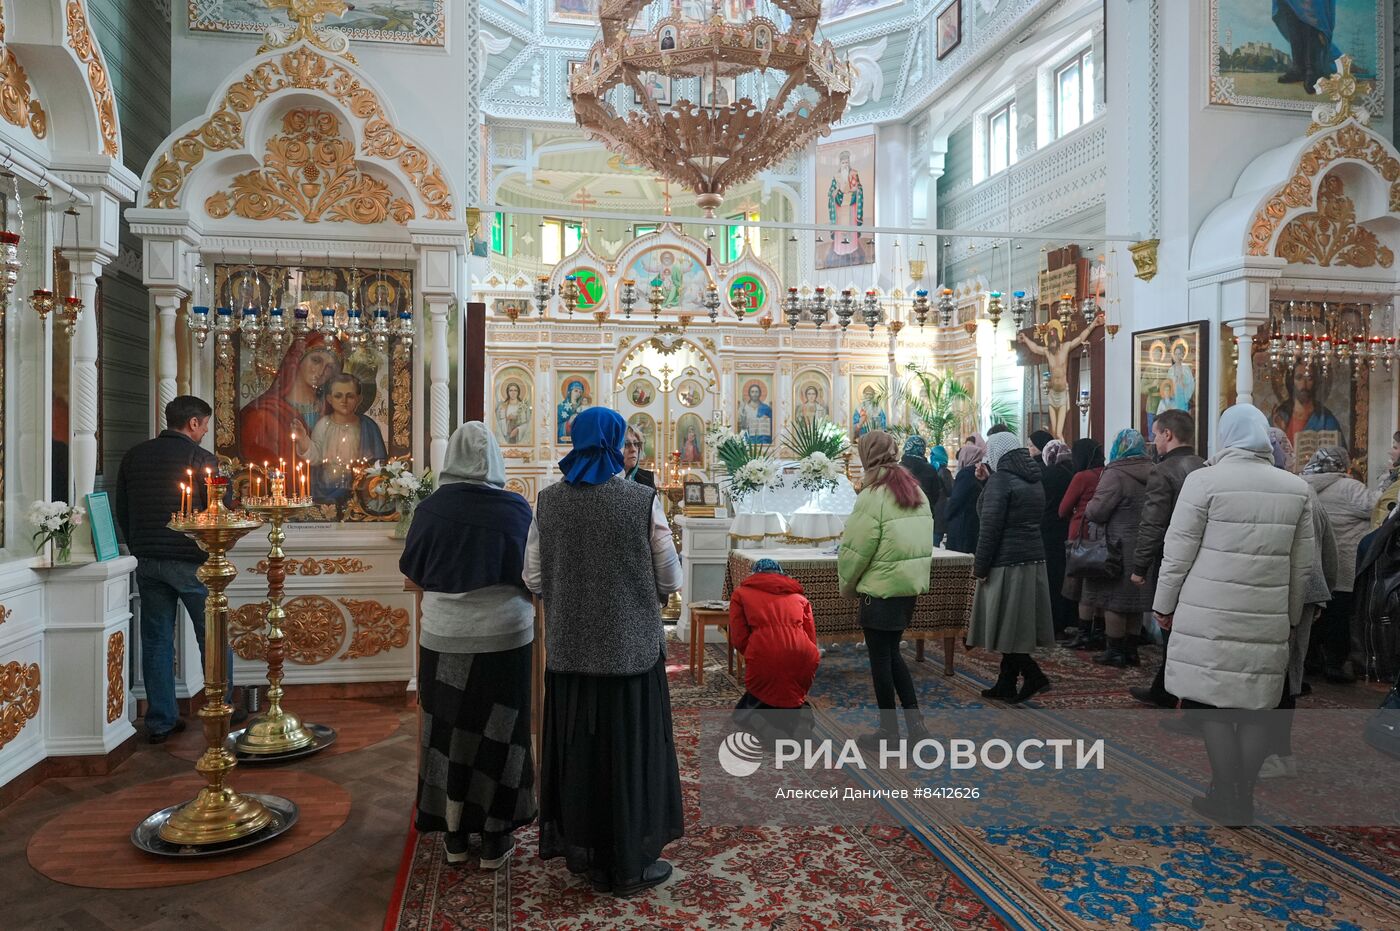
938,402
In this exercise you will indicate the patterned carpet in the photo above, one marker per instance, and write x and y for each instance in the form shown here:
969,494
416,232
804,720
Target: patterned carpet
944,875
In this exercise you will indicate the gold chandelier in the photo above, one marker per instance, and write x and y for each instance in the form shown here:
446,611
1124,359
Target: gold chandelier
666,98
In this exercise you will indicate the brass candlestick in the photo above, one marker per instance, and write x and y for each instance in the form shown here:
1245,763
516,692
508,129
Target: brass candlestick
218,813
277,731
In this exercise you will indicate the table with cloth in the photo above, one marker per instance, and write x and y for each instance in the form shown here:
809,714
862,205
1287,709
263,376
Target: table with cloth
940,614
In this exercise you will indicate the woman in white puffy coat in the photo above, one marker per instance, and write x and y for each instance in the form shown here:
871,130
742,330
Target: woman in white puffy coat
1348,504
1235,563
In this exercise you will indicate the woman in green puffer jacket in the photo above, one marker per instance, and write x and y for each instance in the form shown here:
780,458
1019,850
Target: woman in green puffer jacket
886,554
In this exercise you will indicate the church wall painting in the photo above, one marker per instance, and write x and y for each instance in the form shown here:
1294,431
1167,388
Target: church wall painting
1269,53
513,402
690,440
573,11
348,405
868,394
690,392
1171,371
645,425
1314,408
811,395
845,195
576,392
682,276
753,412
412,22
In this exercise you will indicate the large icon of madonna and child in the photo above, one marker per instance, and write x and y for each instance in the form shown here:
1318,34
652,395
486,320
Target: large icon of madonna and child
322,394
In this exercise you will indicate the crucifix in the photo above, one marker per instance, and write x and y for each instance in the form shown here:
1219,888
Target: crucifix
665,196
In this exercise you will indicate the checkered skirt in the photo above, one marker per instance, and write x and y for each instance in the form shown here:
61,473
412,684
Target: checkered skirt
476,772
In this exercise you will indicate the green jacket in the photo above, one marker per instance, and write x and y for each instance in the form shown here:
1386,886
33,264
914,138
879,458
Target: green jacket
886,550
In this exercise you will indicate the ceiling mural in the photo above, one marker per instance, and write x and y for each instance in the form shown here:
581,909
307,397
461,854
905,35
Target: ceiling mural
415,22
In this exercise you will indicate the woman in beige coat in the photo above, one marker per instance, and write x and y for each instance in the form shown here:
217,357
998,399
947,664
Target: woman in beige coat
1232,584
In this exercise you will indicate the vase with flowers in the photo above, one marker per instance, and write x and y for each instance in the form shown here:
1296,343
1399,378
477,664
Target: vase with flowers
396,482
56,521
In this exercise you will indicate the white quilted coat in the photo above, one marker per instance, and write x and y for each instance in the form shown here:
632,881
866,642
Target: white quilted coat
1234,567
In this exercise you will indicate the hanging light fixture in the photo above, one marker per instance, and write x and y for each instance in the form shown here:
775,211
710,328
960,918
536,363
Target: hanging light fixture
198,318
656,297
710,301
921,306
707,140
1020,306
543,292
627,297
845,307
72,302
569,293
994,308
42,300
250,296
223,334
945,307
792,308
817,309
11,232
870,310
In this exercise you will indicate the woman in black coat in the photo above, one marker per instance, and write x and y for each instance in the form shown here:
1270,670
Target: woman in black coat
1054,529
962,503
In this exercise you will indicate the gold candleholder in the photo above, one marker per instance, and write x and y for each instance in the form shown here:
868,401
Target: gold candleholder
217,814
277,732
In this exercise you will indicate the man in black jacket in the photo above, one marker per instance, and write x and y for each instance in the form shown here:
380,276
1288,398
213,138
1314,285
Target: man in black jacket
147,493
1171,434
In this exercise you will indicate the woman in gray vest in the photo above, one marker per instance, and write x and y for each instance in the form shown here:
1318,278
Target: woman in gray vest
601,557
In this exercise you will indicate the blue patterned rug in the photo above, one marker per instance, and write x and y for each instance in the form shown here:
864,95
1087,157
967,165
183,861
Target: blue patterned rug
1144,876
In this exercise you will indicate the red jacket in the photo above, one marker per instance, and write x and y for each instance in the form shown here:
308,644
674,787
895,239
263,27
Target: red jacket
770,623
1077,497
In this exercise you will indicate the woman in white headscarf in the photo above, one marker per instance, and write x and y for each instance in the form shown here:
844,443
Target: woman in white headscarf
1232,584
466,551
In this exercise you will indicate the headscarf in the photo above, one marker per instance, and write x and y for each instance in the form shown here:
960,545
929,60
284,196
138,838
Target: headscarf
1245,427
878,451
1328,459
474,456
1284,457
998,445
1055,451
938,457
1126,444
768,565
916,446
597,455
1086,453
972,452
1042,439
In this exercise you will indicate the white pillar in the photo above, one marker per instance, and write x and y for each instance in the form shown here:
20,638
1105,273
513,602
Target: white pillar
167,303
83,378
1244,368
438,394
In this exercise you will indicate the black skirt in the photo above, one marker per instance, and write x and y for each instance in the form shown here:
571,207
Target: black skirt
475,772
610,786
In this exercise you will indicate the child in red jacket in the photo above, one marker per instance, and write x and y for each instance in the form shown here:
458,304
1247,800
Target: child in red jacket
770,624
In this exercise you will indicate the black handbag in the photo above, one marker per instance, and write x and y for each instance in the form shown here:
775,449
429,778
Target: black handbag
1092,555
1383,729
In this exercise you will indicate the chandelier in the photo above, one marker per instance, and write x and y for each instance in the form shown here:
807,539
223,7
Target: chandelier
1328,337
666,96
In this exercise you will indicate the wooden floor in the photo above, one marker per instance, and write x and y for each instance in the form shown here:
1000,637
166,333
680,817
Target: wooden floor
343,882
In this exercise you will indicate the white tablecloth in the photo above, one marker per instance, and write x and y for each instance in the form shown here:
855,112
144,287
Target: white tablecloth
786,498
753,530
815,527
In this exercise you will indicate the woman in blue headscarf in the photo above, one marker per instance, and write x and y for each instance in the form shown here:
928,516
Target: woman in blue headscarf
938,458
601,557
1117,507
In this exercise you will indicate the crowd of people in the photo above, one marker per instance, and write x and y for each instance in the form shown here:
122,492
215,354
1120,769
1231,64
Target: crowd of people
1232,562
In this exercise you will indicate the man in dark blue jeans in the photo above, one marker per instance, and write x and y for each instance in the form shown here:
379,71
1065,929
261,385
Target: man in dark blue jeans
147,493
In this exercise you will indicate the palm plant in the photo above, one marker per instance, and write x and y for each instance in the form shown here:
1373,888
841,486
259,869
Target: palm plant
805,436
940,401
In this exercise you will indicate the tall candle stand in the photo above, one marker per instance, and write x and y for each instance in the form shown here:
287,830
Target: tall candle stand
218,816
277,733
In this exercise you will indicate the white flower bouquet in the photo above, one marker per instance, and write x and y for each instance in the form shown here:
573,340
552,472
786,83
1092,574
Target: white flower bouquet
399,483
56,521
818,472
756,474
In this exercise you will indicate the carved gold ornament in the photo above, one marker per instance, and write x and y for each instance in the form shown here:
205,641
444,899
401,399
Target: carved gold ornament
314,630
80,40
306,68
5,614
1343,88
19,698
309,173
1349,142
1145,258
339,565
116,680
307,15
1330,236
17,104
378,628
